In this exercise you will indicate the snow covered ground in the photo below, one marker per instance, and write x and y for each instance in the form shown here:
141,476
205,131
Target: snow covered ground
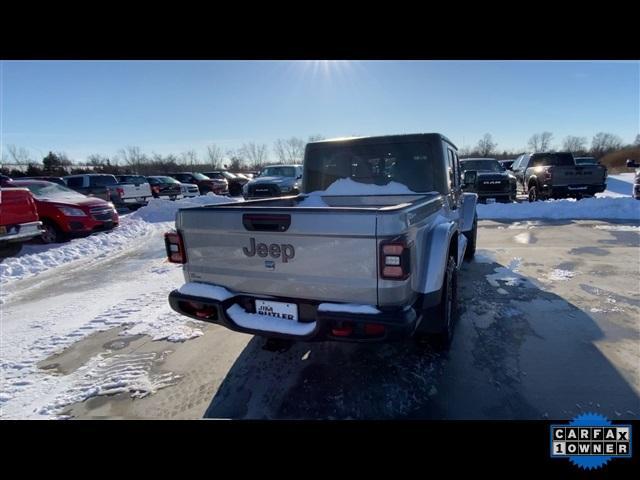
125,280
619,185
615,203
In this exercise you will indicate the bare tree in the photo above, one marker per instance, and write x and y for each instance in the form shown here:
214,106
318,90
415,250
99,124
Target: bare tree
316,138
540,142
215,156
604,143
290,150
19,156
133,157
575,144
486,146
636,142
190,157
254,153
235,160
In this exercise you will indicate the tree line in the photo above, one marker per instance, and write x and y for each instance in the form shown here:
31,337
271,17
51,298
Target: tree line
253,156
602,143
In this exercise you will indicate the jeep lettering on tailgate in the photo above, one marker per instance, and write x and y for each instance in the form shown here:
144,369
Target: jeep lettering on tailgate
284,250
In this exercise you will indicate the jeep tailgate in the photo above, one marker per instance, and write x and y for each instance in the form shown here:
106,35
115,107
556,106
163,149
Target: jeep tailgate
322,255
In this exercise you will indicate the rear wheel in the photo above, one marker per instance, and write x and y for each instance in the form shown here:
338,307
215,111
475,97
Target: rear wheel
51,233
534,194
444,314
10,249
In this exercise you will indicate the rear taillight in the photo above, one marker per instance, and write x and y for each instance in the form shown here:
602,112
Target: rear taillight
395,260
120,192
175,247
374,329
156,189
343,330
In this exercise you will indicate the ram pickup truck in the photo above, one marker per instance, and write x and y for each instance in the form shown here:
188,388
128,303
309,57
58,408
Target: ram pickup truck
274,181
369,252
556,175
489,179
19,221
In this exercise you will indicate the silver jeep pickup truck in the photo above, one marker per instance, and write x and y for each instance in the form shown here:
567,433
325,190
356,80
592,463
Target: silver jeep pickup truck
368,251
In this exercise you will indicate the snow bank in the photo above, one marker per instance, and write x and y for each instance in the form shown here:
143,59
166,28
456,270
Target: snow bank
569,209
162,210
46,257
620,185
348,308
37,259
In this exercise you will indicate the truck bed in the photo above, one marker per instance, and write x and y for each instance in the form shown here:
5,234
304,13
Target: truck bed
282,247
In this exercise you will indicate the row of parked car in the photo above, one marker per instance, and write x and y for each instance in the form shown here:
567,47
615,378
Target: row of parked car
538,175
55,209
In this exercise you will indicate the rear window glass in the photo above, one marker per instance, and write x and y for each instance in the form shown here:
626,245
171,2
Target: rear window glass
103,181
132,179
552,159
410,164
481,165
74,182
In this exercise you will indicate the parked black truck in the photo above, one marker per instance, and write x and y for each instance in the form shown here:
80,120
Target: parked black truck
489,179
556,175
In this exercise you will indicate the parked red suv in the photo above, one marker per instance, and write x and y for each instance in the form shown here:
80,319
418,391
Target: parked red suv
18,219
66,213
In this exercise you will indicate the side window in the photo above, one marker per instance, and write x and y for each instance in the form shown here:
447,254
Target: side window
525,162
74,182
451,169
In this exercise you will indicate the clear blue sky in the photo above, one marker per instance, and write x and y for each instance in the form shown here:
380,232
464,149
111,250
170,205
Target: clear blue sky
87,107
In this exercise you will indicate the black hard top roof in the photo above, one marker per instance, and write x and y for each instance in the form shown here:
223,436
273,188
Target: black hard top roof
406,137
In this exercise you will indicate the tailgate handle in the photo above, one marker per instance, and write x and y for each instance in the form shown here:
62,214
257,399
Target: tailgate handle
266,223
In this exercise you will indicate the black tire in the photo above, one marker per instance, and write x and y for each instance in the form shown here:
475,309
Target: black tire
10,249
445,313
471,235
51,233
533,193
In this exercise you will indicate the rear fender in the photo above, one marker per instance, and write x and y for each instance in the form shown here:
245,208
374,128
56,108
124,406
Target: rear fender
468,210
436,254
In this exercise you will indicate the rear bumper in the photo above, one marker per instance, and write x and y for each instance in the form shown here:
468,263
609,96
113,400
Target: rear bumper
87,225
572,190
22,232
136,200
398,322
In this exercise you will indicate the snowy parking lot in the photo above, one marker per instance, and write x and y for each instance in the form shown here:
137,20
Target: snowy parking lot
549,327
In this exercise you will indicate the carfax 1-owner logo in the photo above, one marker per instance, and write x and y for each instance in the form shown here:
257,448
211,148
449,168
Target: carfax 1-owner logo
590,440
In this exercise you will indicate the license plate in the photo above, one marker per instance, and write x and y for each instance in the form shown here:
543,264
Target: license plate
491,200
3,230
287,311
